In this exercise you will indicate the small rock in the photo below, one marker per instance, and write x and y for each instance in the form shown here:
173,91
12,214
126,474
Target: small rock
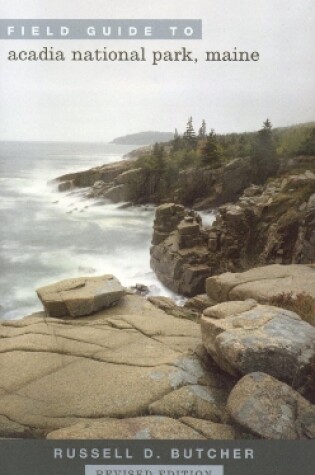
140,289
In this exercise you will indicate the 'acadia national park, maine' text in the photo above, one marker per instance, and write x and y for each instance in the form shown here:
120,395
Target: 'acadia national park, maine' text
181,54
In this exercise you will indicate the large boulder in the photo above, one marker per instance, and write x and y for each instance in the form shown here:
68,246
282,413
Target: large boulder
289,286
80,296
271,409
259,338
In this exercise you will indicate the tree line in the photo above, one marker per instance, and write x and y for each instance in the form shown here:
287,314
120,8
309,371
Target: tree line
209,150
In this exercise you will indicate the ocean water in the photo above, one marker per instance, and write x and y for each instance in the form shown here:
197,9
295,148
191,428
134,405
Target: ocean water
46,236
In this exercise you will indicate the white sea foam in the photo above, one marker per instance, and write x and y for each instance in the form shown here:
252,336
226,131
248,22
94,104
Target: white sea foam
50,236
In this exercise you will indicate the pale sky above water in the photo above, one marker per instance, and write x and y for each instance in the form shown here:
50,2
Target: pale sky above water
97,101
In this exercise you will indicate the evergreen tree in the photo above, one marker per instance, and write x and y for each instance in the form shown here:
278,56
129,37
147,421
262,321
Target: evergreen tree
203,130
263,156
242,146
210,152
158,154
190,134
308,146
176,143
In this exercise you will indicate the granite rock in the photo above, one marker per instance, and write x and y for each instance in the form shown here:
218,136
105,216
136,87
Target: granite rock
264,338
270,409
80,296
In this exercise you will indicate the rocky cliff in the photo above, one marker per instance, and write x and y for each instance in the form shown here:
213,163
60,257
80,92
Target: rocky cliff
205,188
117,182
269,224
124,181
105,174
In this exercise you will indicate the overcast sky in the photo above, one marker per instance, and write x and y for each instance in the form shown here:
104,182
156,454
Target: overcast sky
99,101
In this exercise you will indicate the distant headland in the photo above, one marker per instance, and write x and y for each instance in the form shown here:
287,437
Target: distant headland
144,138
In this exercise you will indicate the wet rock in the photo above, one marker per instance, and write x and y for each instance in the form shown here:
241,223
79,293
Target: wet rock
264,338
66,185
106,173
140,289
80,296
271,409
116,194
99,184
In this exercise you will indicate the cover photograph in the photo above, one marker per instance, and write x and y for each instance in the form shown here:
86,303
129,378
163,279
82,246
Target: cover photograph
157,227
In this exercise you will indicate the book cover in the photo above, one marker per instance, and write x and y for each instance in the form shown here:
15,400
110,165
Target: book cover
157,167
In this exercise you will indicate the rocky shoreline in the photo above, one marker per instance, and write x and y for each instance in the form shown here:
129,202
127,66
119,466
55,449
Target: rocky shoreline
132,370
124,181
269,224
236,361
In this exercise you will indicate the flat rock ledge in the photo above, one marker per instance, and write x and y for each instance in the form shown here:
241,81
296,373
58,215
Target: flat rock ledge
80,296
128,371
287,286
